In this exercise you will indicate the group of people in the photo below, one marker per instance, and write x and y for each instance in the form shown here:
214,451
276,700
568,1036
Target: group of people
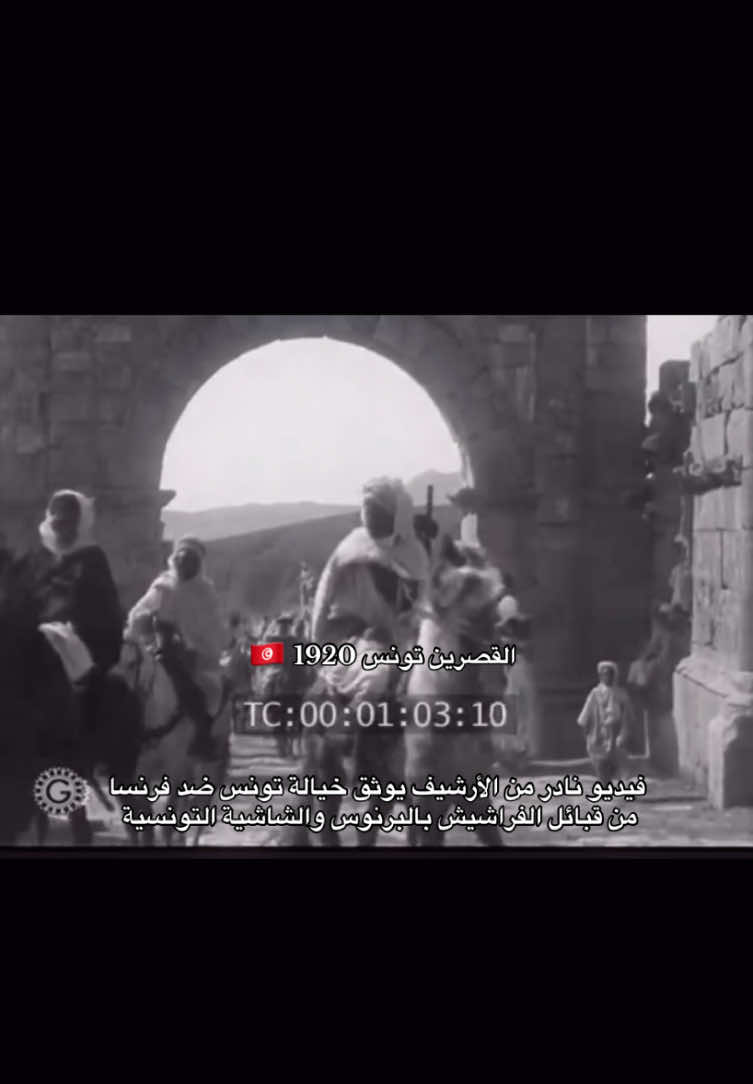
374,587
83,621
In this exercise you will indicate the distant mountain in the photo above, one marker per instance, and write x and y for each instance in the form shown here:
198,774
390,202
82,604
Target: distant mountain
257,573
238,520
215,523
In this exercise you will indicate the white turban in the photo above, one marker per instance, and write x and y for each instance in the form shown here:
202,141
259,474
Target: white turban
83,537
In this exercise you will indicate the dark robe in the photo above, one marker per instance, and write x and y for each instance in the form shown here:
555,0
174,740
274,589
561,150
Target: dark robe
80,589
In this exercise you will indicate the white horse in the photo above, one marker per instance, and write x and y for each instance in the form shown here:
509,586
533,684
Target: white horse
168,734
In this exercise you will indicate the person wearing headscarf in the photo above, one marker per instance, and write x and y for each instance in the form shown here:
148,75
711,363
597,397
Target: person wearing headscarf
514,630
509,607
606,720
184,600
80,609
376,575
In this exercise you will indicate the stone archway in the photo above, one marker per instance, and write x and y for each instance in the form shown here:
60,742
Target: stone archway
547,411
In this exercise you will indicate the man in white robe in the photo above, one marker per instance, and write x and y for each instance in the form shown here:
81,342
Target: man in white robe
183,598
372,586
607,719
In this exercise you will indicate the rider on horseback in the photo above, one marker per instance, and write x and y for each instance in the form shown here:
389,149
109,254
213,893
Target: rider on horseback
183,601
372,584
79,604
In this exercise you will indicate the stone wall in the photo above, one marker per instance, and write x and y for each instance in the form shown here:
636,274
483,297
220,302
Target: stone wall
713,705
545,409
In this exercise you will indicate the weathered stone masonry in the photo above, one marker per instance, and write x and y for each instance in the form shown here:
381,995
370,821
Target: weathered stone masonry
547,411
714,686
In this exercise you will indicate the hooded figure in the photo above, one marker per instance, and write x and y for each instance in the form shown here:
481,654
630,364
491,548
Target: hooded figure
377,575
183,599
79,597
81,614
607,719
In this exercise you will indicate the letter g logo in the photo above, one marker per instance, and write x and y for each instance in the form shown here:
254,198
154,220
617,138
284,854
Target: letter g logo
60,791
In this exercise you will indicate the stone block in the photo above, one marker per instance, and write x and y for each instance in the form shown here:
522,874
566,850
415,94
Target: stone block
403,337
701,687
700,360
504,358
628,330
730,754
597,330
626,359
72,465
559,475
733,556
69,333
23,476
481,386
28,329
30,439
744,495
707,579
709,396
112,408
555,509
747,377
116,375
726,626
564,442
732,389
524,390
726,340
712,434
739,440
113,333
514,333
719,509
34,354
615,380
72,361
74,405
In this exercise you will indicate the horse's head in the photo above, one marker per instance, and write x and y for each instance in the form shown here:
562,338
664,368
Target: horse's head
465,590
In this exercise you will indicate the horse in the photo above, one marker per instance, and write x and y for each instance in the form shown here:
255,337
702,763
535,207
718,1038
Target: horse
285,685
237,676
376,751
168,734
42,727
353,751
461,620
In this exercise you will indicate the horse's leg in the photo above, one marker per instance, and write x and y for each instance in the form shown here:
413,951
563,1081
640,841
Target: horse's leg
490,835
331,765
83,835
312,755
369,760
425,755
42,826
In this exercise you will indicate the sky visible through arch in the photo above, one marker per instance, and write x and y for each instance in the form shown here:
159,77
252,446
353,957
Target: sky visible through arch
312,419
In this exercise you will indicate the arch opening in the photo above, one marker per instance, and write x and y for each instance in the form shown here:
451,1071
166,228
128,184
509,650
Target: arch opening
269,456
305,420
